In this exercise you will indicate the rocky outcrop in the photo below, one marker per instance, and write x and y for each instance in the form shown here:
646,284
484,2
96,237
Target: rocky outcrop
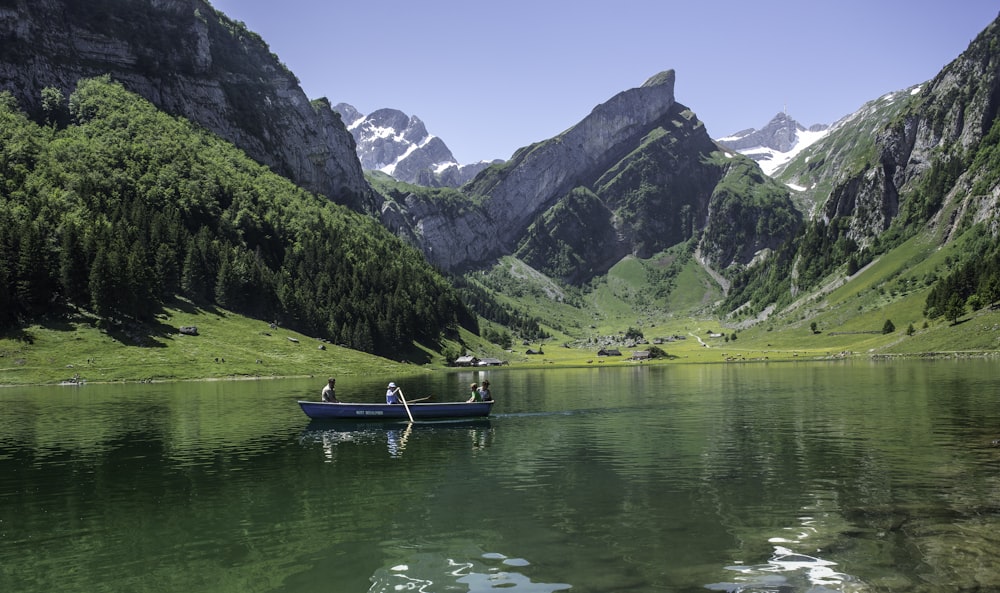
190,61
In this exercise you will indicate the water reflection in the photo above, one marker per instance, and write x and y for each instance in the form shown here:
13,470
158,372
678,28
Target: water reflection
394,436
788,571
431,573
653,479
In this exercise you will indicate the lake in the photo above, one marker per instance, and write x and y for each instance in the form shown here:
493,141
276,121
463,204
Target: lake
793,477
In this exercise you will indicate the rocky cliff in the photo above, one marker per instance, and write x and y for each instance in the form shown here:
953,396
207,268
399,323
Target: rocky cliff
922,161
190,61
635,176
511,195
918,156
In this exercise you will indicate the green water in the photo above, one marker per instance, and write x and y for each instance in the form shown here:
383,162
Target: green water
852,476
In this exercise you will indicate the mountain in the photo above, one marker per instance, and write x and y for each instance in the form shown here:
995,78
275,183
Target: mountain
192,61
637,175
399,145
776,143
639,172
636,187
919,170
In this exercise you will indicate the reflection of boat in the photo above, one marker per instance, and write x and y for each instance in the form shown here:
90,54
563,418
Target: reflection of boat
420,411
395,434
348,425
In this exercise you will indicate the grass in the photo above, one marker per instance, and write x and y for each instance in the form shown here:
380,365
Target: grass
227,346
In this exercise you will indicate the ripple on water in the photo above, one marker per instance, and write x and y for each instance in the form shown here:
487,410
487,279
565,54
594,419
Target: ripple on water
428,572
788,571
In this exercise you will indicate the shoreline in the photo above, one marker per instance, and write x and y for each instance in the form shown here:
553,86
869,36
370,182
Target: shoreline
548,364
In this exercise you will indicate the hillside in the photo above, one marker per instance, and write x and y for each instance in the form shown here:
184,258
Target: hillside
115,208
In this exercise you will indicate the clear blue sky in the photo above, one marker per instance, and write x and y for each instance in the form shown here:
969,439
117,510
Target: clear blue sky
491,77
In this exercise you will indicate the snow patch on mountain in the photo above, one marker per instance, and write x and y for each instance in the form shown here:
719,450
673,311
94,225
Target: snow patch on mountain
777,143
399,145
770,159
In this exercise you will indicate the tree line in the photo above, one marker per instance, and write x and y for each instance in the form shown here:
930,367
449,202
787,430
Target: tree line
113,207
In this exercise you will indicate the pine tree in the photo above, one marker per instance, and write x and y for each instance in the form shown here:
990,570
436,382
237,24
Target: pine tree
102,285
74,269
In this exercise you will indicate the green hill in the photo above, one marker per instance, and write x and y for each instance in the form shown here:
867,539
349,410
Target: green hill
113,208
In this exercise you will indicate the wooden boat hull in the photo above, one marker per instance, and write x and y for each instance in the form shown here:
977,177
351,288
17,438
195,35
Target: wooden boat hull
376,412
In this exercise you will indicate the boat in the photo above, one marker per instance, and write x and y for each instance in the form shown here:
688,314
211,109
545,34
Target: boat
420,411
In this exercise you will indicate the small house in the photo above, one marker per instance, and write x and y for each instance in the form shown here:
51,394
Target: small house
489,362
466,361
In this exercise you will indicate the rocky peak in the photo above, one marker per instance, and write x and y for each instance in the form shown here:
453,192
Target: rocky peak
780,134
941,121
776,143
535,178
398,144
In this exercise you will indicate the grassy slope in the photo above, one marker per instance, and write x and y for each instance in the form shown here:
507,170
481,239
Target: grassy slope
228,346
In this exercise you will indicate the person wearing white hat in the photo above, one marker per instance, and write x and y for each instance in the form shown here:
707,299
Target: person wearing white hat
392,394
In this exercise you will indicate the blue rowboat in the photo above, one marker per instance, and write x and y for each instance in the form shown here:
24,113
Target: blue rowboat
420,411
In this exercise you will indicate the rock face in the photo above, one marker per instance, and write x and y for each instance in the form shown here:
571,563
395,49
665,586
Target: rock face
514,193
637,175
191,61
390,141
930,138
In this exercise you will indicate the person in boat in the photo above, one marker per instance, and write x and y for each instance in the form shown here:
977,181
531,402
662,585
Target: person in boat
484,392
392,394
474,388
329,393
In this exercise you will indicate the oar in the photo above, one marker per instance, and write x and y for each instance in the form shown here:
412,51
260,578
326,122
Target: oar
405,405
413,401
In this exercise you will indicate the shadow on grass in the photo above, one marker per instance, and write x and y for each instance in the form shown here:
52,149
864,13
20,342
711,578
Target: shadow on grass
18,335
190,308
151,333
414,355
155,332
